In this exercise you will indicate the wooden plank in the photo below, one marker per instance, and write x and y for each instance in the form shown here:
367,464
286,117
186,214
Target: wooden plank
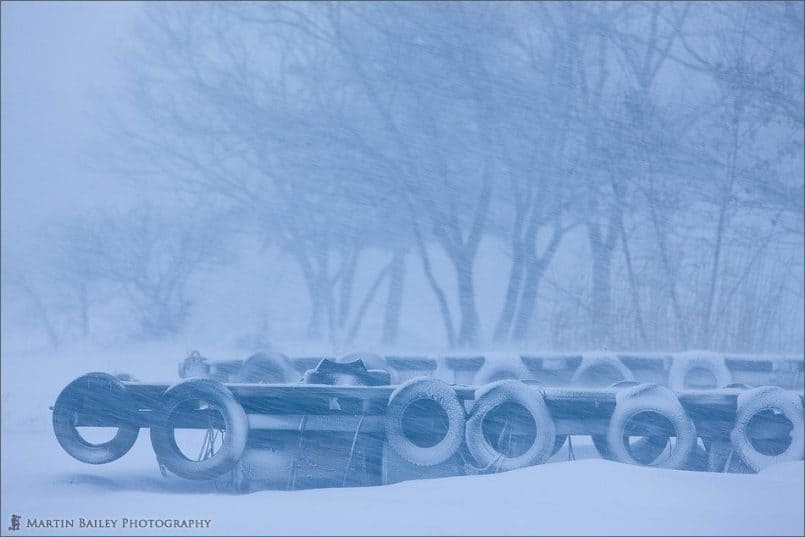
148,394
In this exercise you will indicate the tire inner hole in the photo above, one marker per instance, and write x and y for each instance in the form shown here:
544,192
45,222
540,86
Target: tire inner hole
510,429
198,429
645,437
764,420
700,378
425,423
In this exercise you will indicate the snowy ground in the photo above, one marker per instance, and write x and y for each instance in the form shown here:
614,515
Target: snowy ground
589,496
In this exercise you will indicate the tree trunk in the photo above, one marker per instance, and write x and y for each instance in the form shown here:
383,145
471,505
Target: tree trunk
535,268
528,301
602,248
313,285
321,306
705,328
364,306
601,295
468,331
503,327
42,313
681,337
348,267
633,288
444,308
391,318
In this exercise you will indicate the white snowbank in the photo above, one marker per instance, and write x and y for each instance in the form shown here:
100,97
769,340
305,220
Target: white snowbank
581,497
590,496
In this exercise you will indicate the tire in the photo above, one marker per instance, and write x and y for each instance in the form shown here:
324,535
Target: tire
503,370
600,371
656,399
738,386
423,450
600,440
645,449
768,398
95,390
558,443
721,456
530,398
235,423
266,368
720,453
710,363
722,440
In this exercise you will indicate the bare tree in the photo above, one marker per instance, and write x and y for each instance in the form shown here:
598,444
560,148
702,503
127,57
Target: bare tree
150,256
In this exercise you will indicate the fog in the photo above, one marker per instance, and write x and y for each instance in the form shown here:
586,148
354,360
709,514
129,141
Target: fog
576,176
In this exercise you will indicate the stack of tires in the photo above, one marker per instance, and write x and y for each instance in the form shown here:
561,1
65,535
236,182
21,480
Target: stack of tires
428,430
429,433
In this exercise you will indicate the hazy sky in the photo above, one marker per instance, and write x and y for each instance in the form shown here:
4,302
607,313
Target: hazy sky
55,57
61,67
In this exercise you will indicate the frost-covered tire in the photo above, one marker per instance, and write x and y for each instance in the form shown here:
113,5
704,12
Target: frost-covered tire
558,443
236,427
644,449
720,453
600,440
653,398
600,444
530,398
753,402
266,368
513,369
400,401
96,391
712,363
709,441
599,371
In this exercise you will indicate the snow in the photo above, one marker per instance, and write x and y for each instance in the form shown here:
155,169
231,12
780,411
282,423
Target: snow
590,496
586,496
